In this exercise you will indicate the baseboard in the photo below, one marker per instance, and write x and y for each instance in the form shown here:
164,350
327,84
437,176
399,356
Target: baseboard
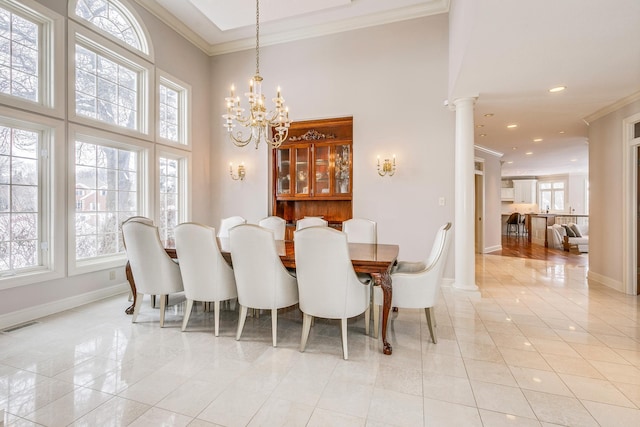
36,312
492,249
446,282
605,281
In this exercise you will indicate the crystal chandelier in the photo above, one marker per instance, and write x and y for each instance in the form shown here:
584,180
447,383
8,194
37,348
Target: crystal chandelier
258,120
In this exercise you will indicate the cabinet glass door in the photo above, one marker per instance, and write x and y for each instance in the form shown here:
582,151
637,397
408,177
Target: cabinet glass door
321,184
283,157
302,170
342,170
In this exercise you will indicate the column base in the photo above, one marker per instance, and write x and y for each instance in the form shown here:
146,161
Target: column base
468,290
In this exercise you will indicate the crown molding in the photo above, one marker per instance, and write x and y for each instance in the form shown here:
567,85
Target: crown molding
434,7
613,107
488,150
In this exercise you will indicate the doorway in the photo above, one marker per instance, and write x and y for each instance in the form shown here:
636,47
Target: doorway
631,210
479,212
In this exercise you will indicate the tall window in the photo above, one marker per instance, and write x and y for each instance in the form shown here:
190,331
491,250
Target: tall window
173,109
170,197
106,194
19,46
552,195
19,199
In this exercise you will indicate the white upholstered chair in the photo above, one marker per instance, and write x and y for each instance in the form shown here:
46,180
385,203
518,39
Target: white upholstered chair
328,285
311,221
206,275
416,284
276,224
360,230
227,224
145,220
262,281
154,271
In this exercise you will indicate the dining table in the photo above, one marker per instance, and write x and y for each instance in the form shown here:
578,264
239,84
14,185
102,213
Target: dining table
377,260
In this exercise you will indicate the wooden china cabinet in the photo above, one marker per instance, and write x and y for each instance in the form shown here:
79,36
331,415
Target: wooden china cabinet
313,172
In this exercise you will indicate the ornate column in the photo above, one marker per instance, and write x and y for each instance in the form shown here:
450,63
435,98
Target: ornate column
465,267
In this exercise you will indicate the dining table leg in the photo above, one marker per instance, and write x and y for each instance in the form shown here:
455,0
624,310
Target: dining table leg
132,284
384,281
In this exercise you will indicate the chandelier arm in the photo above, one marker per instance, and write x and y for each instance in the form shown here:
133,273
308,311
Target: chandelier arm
238,141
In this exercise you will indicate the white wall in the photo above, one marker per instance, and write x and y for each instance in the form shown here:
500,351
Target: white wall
606,198
492,202
393,80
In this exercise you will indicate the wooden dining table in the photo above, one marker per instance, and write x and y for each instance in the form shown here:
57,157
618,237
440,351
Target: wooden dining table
376,260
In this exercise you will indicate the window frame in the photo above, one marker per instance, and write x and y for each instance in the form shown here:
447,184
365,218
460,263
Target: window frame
184,181
50,59
565,190
50,183
184,113
145,191
147,52
146,97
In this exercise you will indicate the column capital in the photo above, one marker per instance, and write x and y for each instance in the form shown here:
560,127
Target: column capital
467,100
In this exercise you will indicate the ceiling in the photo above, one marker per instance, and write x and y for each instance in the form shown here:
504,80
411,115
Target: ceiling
513,53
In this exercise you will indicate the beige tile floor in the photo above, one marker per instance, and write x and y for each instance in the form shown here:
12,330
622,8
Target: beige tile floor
537,347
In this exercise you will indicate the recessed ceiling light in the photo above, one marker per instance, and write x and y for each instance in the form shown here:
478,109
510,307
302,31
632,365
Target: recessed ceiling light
483,134
574,160
511,126
489,115
537,140
514,148
561,131
479,126
510,162
528,153
557,89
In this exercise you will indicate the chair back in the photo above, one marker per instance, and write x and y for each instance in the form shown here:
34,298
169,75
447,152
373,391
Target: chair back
514,218
139,218
276,224
311,221
205,273
360,230
154,270
327,284
261,279
227,224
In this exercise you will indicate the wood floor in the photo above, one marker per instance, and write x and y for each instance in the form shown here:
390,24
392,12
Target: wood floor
518,246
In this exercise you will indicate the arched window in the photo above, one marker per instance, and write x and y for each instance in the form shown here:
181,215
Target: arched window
115,19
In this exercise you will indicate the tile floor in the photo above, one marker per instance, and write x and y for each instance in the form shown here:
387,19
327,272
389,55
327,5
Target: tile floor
538,347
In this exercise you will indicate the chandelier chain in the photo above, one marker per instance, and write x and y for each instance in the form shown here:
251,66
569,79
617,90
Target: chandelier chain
257,37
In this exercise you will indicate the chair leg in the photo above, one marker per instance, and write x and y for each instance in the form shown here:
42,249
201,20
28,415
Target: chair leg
216,317
376,320
343,327
136,308
306,328
431,322
153,301
367,319
241,319
274,325
163,306
187,314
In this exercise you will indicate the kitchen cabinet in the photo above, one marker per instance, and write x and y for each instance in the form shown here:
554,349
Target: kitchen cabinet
524,190
507,194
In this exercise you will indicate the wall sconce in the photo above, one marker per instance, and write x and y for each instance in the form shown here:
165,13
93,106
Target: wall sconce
241,172
388,166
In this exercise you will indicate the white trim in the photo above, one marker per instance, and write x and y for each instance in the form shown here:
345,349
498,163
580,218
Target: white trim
605,281
488,150
42,310
490,249
433,7
629,207
146,186
51,77
613,107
